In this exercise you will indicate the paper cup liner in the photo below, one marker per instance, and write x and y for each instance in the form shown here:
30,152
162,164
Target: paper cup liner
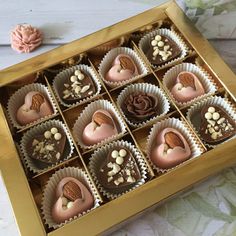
180,126
144,45
108,59
34,165
63,76
137,35
49,194
194,114
66,64
86,117
104,48
163,104
99,156
169,80
18,99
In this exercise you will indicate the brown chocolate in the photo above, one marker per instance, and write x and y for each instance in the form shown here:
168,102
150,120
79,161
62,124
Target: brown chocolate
78,86
119,170
216,125
161,50
48,147
140,106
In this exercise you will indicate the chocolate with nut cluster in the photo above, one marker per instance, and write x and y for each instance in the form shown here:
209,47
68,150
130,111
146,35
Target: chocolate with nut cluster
140,106
119,170
216,125
161,50
77,87
48,147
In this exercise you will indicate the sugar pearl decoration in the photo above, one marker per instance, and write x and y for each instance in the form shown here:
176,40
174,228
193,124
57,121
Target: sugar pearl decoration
115,154
80,76
211,109
64,201
158,37
122,152
73,78
154,42
54,130
160,44
208,115
47,134
69,204
119,160
77,72
57,136
216,116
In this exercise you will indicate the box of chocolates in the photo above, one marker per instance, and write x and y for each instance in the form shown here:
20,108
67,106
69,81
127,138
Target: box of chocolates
102,129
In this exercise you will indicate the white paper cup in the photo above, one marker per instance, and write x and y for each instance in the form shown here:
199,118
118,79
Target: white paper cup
169,80
18,99
163,104
86,117
100,155
34,165
62,78
180,126
194,113
108,59
144,45
49,194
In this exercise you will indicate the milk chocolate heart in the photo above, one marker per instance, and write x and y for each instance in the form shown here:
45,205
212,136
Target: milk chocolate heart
72,198
187,87
161,50
216,125
78,86
47,147
36,106
123,68
169,149
101,127
119,170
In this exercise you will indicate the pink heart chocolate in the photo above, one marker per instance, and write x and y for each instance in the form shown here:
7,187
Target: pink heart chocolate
36,106
123,68
102,127
187,87
72,198
170,149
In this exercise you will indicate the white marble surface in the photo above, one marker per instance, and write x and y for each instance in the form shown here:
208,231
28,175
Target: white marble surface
62,22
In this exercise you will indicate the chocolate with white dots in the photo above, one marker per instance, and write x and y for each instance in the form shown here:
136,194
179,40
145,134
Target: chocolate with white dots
216,125
119,170
48,147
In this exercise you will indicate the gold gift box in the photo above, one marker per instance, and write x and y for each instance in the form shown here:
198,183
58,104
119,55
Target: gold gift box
25,191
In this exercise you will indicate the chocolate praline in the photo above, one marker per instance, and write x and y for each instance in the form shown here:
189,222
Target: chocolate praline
140,106
123,68
78,86
35,106
216,125
47,147
169,149
187,87
72,197
119,170
101,127
161,49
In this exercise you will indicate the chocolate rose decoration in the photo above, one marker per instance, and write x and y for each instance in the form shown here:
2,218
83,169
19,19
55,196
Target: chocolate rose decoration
25,38
140,106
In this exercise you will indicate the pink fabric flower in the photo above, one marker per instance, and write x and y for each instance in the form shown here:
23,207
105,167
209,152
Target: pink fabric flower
25,38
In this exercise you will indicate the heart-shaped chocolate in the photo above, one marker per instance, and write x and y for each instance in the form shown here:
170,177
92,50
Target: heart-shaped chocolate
36,106
101,127
123,68
72,198
216,125
77,87
161,50
47,147
119,170
169,149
